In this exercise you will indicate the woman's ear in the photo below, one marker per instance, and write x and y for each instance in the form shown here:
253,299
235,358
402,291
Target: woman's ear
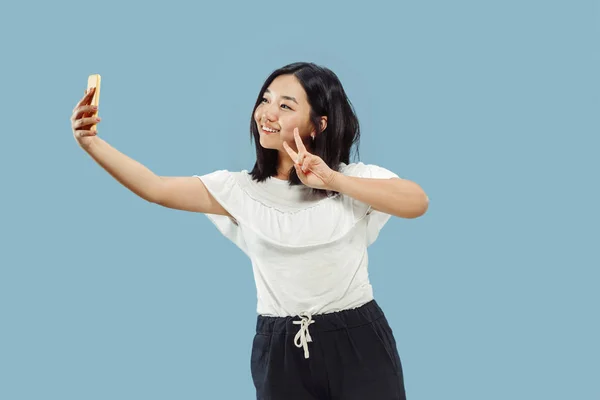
322,126
323,123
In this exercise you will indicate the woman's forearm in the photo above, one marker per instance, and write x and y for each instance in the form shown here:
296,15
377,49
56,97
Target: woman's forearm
127,171
399,197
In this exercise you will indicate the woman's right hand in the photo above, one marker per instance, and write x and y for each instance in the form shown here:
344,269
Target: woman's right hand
83,119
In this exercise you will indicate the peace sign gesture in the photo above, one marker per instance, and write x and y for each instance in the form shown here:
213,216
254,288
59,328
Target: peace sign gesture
311,169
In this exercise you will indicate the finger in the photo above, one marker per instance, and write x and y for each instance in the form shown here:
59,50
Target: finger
291,152
301,174
88,121
86,99
89,109
306,164
84,122
299,143
78,111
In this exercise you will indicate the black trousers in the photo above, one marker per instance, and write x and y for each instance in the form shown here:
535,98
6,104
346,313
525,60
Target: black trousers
352,356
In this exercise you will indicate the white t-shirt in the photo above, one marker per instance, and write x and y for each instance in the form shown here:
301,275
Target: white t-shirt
308,254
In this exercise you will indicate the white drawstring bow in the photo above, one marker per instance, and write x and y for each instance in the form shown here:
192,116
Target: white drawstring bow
303,336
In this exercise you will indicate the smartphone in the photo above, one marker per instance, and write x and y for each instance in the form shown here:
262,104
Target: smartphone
94,81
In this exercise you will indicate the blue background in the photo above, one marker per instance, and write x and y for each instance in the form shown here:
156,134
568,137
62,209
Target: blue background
492,107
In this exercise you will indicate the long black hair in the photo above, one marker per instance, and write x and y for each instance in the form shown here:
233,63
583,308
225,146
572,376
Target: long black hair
326,97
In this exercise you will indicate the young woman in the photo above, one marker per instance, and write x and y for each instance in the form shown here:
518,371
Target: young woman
305,216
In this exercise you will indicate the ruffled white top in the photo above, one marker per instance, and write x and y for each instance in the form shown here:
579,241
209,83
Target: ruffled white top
308,254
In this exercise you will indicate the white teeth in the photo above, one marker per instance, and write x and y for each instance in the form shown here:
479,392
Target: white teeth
269,129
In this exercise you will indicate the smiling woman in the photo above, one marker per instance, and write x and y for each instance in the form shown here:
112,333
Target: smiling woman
311,99
305,217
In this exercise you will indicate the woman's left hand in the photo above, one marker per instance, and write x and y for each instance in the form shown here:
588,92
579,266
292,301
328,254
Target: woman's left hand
311,169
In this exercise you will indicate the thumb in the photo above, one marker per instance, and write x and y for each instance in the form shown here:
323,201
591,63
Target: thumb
299,171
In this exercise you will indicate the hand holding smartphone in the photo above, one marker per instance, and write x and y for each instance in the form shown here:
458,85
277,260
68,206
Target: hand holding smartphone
85,113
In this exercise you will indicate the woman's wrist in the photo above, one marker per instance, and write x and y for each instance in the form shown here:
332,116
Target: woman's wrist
336,182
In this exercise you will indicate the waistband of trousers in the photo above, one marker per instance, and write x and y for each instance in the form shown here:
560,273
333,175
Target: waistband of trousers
343,319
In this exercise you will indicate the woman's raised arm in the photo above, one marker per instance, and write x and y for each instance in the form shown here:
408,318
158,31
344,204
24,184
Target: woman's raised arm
182,193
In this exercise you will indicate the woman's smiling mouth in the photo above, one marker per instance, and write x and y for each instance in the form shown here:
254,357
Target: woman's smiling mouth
268,130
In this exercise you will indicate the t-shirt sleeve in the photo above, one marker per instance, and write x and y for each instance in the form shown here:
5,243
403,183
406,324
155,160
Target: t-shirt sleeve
375,219
223,187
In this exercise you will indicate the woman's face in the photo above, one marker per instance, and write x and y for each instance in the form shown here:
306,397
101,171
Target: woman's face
284,107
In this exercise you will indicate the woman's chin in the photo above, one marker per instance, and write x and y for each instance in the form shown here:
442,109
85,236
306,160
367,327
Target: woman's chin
270,143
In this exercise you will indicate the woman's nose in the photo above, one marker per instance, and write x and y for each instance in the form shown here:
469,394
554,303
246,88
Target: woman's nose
270,113
269,116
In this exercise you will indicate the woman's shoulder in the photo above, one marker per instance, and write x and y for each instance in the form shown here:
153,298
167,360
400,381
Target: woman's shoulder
363,170
225,177
226,174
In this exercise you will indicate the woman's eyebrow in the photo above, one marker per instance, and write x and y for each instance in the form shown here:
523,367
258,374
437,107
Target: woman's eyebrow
290,98
284,97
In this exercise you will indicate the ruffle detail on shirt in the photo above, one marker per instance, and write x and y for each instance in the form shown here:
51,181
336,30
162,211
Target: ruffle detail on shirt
314,224
217,184
376,219
289,229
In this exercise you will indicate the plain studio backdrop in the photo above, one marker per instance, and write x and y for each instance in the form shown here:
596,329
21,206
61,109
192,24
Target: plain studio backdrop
491,106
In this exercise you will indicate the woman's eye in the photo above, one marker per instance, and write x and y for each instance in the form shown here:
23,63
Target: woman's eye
284,105
264,99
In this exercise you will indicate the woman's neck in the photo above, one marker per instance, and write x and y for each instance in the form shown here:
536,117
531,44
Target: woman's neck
284,165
